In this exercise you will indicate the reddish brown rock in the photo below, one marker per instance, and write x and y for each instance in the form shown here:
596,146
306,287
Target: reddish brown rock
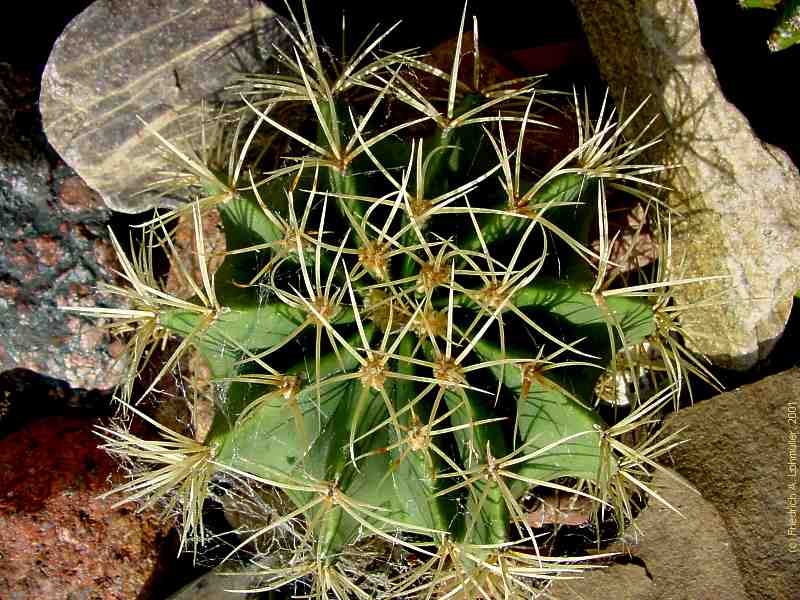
554,57
76,196
183,237
57,538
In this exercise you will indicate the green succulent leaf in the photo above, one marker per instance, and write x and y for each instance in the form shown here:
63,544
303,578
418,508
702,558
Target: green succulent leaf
564,188
787,31
244,222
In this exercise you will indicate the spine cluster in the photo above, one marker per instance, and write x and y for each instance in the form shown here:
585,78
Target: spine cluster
416,328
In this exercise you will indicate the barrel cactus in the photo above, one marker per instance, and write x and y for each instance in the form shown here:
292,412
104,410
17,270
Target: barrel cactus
416,328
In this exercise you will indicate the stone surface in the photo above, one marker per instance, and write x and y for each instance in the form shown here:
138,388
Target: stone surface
57,538
124,59
673,558
183,238
54,249
741,536
742,456
739,198
216,585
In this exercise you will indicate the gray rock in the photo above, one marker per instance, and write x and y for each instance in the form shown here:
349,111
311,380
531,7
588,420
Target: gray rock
742,456
740,198
54,249
123,59
218,583
673,558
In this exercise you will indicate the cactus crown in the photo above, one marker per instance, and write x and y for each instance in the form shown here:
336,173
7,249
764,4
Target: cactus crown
410,326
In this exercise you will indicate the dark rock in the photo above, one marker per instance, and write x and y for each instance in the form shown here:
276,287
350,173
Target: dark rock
124,59
53,397
742,456
52,253
739,198
57,538
77,197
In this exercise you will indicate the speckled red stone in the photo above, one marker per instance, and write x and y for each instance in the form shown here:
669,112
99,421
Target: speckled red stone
57,539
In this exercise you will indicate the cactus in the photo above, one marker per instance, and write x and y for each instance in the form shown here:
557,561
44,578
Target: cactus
786,32
409,328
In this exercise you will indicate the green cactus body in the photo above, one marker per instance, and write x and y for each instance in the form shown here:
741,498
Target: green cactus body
312,443
786,32
408,328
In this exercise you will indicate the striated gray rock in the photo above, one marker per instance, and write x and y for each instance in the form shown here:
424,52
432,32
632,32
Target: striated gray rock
673,558
739,198
123,59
